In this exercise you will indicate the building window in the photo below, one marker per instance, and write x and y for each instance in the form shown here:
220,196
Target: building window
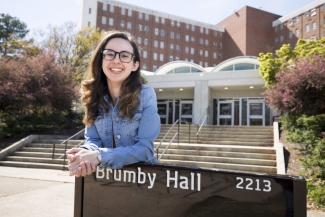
177,47
140,15
155,43
144,66
206,42
215,43
129,25
111,8
307,28
104,7
201,63
111,21
193,28
192,39
154,68
192,50
187,37
145,41
172,23
290,34
139,40
155,56
206,31
201,52
220,56
176,58
163,20
129,12
171,34
313,25
281,26
281,38
89,11
186,49
171,59
156,31
290,22
220,45
201,40
307,39
313,37
313,12
146,17
178,24
276,40
306,14
103,20
178,36
88,23
201,29
206,53
214,55
146,29
206,64
187,26
297,32
145,54
297,19
162,32
157,19
276,28
171,46
140,27
122,24
161,57
123,11
220,34
162,45
192,61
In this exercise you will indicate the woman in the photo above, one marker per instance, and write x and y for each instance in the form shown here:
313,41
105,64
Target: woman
121,113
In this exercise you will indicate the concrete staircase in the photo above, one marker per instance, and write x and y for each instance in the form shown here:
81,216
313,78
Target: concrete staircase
38,153
235,148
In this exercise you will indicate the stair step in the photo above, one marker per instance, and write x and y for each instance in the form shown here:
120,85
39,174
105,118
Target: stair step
44,150
37,154
32,165
36,160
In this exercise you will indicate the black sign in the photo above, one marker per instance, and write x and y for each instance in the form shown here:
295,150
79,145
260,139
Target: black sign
164,190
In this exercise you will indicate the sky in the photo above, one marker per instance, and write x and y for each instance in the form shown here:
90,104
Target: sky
40,13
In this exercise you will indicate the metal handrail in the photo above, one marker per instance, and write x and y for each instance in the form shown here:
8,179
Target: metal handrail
157,148
207,113
167,147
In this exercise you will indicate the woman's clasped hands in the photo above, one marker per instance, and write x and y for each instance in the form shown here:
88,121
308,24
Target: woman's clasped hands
82,162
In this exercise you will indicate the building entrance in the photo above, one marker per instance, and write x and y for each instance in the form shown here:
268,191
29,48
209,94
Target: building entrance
170,110
241,112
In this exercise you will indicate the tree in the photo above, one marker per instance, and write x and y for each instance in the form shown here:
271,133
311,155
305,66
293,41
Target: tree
12,33
286,56
72,48
300,89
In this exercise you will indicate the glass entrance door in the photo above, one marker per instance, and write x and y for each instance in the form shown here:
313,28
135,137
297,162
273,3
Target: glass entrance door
225,112
186,111
163,108
256,113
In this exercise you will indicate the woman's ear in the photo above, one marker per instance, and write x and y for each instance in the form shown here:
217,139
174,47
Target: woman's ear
135,66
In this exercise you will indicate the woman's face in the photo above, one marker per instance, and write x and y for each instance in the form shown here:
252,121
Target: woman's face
115,70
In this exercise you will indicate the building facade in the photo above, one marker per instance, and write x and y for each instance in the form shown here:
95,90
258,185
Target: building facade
198,68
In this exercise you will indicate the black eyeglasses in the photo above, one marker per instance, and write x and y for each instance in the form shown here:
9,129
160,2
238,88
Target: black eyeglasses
124,56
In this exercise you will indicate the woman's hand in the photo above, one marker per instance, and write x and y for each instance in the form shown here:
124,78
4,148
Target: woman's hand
82,162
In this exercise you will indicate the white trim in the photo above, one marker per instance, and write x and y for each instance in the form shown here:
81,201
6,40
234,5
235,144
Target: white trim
298,12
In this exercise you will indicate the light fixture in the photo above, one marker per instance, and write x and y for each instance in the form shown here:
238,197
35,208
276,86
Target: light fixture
251,87
181,89
226,88
160,89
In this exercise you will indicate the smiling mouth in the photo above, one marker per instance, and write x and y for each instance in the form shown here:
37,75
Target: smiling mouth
116,70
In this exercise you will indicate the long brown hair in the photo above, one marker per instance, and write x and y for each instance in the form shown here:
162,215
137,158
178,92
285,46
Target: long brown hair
95,85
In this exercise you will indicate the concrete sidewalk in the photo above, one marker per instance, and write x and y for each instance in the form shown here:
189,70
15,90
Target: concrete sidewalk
42,192
36,192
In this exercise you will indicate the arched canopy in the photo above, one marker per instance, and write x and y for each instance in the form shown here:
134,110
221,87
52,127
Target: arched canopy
237,64
179,67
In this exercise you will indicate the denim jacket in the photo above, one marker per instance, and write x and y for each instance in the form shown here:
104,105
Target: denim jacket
133,137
